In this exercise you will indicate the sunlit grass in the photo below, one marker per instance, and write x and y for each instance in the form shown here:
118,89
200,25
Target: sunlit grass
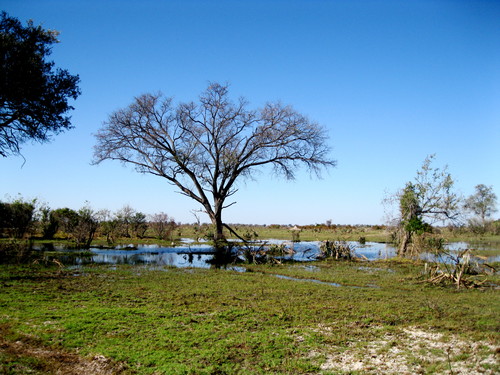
204,321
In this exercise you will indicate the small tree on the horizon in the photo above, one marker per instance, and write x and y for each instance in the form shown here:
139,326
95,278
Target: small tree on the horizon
204,148
138,225
124,217
84,232
162,225
482,204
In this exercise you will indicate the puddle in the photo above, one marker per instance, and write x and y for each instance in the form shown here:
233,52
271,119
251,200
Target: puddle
371,286
312,268
308,280
236,268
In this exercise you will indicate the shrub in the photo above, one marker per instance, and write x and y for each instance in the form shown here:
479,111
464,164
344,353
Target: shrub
16,218
336,249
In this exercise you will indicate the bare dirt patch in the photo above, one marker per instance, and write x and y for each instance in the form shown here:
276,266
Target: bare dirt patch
24,356
415,351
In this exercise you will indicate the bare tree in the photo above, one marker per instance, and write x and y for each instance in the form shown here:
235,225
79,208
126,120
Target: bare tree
162,225
204,148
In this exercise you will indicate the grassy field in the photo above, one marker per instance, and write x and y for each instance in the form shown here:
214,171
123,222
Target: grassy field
307,233
136,320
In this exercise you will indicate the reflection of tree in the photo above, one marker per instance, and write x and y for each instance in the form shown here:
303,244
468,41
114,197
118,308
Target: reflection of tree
168,259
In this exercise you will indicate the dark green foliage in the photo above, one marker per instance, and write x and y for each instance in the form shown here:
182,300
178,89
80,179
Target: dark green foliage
48,223
33,97
416,225
494,227
436,243
408,202
16,218
411,212
4,215
250,235
15,252
66,219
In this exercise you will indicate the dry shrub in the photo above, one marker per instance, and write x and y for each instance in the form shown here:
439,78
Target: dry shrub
462,269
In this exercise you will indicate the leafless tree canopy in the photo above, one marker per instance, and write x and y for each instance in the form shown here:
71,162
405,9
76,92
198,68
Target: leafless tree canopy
203,148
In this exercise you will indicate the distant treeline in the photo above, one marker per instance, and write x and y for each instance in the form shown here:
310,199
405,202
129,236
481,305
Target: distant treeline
24,219
29,219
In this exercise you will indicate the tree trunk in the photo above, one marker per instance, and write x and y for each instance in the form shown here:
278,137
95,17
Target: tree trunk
404,240
222,250
216,217
218,226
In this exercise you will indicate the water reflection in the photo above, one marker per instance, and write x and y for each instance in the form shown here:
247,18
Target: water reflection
157,258
202,255
181,256
309,250
191,254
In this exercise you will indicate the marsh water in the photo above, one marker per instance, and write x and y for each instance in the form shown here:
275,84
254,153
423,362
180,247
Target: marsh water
201,255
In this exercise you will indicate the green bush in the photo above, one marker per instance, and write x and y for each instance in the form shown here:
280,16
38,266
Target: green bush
16,218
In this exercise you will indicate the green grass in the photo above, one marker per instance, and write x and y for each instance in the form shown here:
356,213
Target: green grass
207,321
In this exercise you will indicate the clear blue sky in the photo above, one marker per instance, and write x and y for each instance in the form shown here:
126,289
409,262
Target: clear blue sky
392,81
